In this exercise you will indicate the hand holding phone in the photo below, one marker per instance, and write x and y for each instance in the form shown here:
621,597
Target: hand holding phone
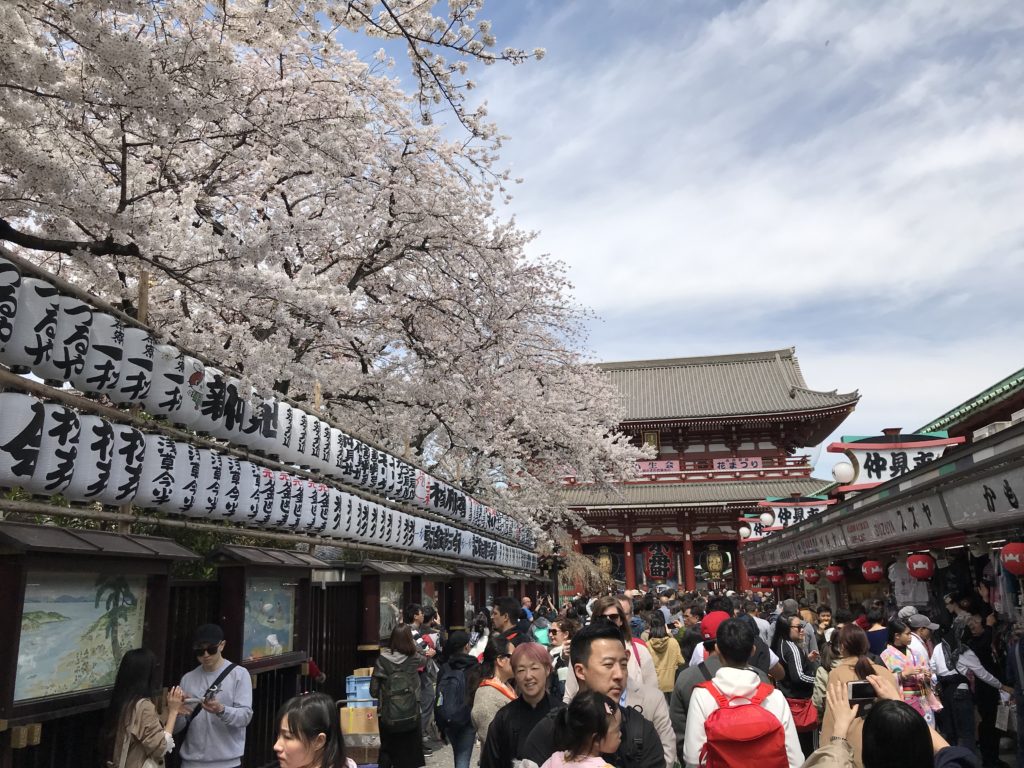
860,691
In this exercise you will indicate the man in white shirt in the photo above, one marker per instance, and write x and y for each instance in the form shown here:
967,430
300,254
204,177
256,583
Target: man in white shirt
921,628
735,643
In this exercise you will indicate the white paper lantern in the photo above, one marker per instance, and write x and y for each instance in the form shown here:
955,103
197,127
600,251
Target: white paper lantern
159,478
335,516
231,480
268,498
343,521
285,486
300,454
337,448
58,451
74,324
102,369
136,367
211,408
260,431
35,325
286,437
168,387
321,509
10,285
95,458
240,401
21,433
248,492
186,494
211,468
305,506
193,389
126,466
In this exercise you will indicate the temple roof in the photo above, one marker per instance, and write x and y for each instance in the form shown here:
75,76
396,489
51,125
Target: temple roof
682,494
686,388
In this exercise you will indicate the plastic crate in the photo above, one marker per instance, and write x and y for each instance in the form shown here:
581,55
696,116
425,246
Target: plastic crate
357,692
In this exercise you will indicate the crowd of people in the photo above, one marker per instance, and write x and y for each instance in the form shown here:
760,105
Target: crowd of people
647,680
638,680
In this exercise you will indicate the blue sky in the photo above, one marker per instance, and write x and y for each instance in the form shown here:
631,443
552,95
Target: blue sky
722,177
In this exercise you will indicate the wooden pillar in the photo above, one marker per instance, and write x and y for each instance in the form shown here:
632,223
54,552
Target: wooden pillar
416,589
501,588
740,572
455,604
630,565
689,573
369,634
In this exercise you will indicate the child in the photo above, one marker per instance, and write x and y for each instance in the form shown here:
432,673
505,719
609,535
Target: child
588,728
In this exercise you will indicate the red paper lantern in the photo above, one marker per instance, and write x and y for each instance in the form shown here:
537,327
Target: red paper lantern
835,573
921,566
811,575
1013,559
792,579
777,580
872,570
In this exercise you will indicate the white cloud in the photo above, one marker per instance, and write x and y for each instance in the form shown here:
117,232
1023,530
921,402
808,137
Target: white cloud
779,148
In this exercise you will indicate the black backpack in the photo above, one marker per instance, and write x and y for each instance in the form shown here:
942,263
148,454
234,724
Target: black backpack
399,696
451,703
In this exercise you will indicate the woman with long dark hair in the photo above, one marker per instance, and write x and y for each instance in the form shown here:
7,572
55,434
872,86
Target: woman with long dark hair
798,683
132,730
852,665
489,686
913,674
396,685
309,734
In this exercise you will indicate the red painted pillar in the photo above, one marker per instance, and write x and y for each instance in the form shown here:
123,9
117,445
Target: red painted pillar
630,565
689,573
577,583
742,581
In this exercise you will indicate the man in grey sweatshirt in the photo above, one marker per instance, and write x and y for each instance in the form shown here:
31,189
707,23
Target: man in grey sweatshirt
216,731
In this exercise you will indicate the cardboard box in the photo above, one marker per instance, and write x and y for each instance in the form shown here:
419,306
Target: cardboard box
359,720
363,672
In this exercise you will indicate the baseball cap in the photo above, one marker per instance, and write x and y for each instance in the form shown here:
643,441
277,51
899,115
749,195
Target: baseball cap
709,624
919,621
208,634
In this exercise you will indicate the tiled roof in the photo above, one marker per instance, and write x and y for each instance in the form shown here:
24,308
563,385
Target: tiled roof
641,494
1004,389
723,385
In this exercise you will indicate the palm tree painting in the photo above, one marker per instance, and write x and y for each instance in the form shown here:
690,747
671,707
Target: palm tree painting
120,600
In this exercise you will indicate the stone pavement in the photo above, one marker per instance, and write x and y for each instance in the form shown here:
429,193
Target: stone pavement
443,757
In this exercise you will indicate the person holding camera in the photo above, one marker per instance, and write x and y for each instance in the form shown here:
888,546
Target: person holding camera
852,671
210,730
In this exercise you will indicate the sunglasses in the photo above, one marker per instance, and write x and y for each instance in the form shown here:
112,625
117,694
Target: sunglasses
203,650
554,631
612,617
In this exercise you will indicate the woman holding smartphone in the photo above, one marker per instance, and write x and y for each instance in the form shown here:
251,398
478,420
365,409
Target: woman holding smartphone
853,666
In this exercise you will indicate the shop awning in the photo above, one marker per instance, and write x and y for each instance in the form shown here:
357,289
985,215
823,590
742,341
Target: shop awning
280,558
393,568
26,537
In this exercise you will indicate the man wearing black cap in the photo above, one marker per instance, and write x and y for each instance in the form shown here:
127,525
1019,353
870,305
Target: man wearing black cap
220,697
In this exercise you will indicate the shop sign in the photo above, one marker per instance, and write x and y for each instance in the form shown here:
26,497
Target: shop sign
921,518
827,542
735,463
995,499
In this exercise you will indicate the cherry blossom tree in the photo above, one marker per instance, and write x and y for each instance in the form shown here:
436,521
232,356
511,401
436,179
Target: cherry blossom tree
297,215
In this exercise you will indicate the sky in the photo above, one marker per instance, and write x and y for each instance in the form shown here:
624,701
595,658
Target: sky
847,179
721,177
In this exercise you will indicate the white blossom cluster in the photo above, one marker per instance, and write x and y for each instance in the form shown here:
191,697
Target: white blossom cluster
293,213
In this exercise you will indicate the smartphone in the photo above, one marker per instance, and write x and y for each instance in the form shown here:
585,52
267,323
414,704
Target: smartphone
859,691
192,700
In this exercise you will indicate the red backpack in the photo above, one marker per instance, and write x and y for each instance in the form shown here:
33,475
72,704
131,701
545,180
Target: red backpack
743,735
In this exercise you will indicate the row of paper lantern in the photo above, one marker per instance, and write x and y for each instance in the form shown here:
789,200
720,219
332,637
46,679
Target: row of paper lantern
48,449
61,338
920,566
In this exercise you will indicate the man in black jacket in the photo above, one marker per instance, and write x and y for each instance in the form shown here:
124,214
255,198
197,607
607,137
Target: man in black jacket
507,618
599,657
